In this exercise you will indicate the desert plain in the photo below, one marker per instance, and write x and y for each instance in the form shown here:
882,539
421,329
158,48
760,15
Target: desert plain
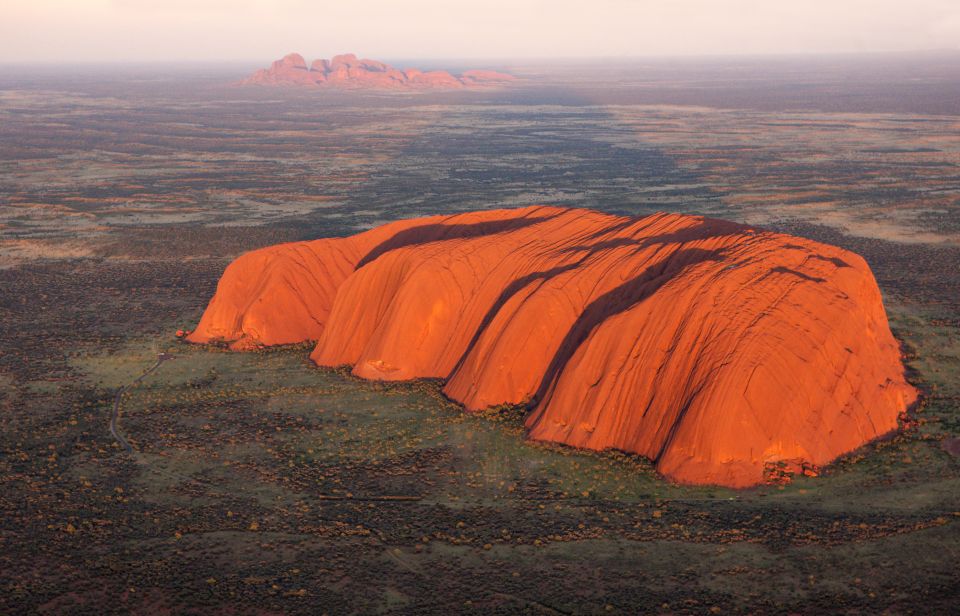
257,482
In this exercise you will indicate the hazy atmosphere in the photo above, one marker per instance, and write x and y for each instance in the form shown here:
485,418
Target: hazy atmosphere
177,30
433,307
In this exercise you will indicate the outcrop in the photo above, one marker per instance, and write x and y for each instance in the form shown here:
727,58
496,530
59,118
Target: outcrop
349,71
712,348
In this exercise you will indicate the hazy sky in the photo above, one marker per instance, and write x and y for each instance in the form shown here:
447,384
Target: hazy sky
135,30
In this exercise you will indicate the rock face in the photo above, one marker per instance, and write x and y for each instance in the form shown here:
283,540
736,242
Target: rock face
712,348
348,71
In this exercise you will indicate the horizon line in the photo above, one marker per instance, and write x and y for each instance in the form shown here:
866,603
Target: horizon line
536,59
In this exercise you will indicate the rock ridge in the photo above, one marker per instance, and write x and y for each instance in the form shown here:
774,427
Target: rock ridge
349,71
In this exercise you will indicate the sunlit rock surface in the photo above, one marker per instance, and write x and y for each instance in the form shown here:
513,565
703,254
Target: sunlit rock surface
349,71
709,347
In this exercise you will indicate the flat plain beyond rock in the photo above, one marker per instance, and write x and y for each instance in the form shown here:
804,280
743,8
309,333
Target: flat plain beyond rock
349,71
713,348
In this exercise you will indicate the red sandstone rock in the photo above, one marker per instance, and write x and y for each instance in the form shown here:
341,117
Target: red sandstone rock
481,76
289,70
437,79
348,71
714,349
345,59
291,61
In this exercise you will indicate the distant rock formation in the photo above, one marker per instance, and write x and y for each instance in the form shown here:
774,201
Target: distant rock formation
348,71
712,348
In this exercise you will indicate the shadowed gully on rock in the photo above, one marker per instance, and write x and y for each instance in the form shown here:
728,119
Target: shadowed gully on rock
712,348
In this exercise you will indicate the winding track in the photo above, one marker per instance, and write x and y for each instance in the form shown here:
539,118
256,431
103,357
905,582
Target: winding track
115,415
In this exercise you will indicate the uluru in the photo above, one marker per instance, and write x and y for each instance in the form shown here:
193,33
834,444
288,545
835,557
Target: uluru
712,348
349,71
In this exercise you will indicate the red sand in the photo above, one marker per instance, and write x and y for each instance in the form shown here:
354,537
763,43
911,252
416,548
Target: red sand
709,347
348,71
